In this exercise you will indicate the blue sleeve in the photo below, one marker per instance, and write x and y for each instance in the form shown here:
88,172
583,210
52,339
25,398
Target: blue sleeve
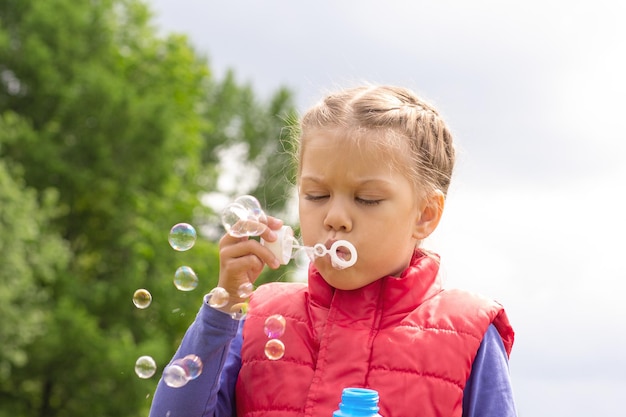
488,392
215,338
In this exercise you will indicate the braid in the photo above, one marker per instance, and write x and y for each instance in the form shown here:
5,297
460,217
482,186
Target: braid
394,112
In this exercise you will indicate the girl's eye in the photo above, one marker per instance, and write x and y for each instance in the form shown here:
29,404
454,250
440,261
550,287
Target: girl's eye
311,197
367,202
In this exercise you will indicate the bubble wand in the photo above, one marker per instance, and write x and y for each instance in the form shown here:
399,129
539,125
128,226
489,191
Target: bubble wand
245,218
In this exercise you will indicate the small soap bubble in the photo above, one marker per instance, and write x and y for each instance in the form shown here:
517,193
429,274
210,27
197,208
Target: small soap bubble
185,279
174,376
274,349
182,370
218,297
182,237
245,290
274,326
239,311
145,367
142,298
192,365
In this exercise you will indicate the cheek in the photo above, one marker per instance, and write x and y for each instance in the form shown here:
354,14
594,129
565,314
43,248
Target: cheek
307,226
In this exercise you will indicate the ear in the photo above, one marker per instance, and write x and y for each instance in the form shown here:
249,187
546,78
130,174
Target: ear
429,214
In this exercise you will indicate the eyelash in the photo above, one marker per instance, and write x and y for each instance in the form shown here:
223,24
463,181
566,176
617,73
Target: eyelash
359,200
368,202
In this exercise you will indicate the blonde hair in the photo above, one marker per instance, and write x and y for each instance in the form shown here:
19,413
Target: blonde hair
392,113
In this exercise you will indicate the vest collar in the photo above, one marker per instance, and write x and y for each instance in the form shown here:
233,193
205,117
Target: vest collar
391,295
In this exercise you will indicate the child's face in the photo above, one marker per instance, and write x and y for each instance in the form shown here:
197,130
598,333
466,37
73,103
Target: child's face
351,191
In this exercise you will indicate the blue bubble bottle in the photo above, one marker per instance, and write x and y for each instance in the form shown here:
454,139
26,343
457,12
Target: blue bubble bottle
358,402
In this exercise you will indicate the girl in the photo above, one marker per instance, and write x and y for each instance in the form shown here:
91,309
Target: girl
374,166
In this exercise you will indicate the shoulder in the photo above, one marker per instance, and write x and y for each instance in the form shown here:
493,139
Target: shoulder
471,311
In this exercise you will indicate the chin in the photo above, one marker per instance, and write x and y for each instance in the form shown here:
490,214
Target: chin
342,279
342,286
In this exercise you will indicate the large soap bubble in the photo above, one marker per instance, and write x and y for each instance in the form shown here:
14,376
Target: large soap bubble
244,217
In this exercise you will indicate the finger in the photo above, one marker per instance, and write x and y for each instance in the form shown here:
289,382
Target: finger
274,223
227,239
242,248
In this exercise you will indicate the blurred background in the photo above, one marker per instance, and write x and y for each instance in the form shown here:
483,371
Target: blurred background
120,118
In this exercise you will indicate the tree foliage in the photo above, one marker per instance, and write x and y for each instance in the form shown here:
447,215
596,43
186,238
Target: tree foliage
109,135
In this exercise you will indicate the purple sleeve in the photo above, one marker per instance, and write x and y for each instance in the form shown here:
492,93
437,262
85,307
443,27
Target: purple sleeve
212,337
488,391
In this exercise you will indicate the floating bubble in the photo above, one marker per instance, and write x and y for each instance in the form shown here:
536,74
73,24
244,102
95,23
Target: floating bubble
185,279
274,326
145,367
218,297
182,237
142,298
192,365
174,376
274,349
182,370
239,311
245,290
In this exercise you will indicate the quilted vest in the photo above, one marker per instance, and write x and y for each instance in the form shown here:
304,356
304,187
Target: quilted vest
403,336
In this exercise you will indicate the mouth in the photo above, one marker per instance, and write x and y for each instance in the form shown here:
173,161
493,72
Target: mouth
343,254
342,251
340,256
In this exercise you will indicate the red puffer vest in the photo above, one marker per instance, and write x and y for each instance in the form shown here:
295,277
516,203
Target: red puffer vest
404,337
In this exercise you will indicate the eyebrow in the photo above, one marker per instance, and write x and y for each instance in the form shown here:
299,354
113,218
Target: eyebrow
361,182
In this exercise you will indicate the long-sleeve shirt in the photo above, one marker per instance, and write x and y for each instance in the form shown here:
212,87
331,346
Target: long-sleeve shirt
216,338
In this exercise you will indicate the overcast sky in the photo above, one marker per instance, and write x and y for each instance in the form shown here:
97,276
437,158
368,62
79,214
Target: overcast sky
534,92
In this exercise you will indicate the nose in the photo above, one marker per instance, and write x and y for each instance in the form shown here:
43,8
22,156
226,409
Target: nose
338,216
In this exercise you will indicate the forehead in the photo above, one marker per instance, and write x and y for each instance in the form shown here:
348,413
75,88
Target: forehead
367,146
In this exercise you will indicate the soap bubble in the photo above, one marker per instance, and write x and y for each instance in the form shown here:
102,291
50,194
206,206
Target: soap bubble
142,298
182,237
185,279
182,370
239,222
239,311
218,297
274,349
244,217
251,204
145,367
245,290
192,365
274,326
174,376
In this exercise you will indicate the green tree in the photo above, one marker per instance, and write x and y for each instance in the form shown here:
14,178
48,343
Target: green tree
32,256
114,136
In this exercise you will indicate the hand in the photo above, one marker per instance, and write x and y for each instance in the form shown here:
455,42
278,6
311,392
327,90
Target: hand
242,260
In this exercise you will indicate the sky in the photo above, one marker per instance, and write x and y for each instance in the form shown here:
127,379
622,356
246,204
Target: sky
534,94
